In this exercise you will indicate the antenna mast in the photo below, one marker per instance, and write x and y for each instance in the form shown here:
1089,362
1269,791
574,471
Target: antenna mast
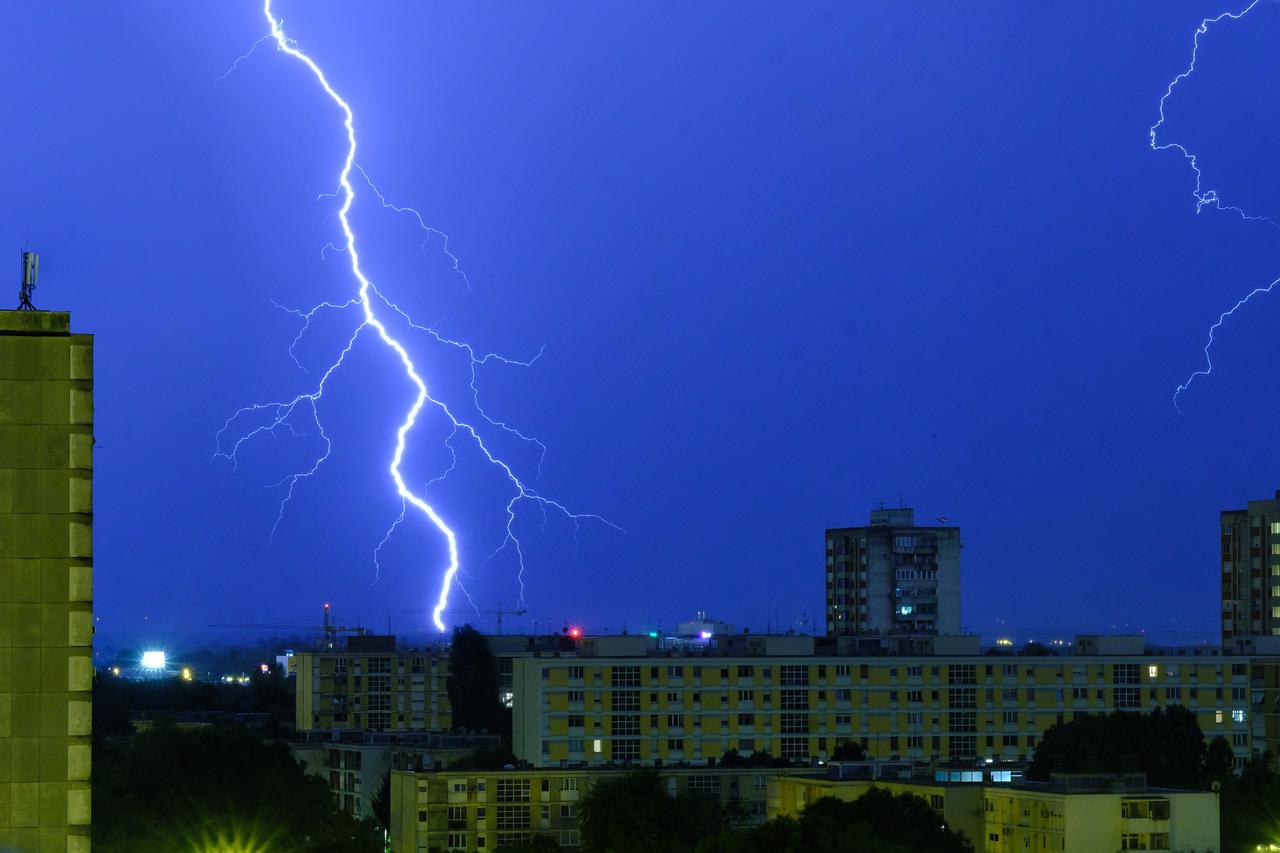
30,267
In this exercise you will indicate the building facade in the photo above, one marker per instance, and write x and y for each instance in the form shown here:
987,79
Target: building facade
642,710
892,577
46,589
372,686
482,810
1076,813
1251,573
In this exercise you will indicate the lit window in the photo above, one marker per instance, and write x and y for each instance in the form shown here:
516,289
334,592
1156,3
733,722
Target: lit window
1237,715
1153,671
1217,717
596,746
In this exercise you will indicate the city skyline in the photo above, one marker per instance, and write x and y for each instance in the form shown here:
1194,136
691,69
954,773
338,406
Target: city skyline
772,298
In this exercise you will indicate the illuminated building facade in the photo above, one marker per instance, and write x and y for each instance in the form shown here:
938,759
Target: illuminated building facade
1251,574
620,704
46,589
372,686
1076,813
893,578
482,810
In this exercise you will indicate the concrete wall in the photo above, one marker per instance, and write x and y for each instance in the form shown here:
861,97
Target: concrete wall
46,591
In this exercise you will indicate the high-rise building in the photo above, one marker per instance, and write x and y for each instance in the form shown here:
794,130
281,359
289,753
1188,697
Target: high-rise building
46,590
1251,573
893,577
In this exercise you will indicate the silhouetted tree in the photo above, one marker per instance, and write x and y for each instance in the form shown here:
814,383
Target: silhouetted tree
173,789
1166,744
876,822
473,682
849,750
381,802
634,814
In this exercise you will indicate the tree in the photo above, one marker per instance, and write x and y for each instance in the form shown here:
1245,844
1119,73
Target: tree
634,814
215,788
381,802
1249,806
473,682
1167,745
849,750
877,822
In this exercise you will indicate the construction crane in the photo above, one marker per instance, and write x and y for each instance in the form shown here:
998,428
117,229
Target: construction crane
499,612
329,627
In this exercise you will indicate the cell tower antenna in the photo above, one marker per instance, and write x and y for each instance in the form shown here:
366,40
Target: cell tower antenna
30,268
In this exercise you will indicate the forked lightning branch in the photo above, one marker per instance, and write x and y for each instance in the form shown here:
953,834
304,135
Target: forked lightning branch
371,305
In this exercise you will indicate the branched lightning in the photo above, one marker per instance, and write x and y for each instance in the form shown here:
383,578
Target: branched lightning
1207,197
269,418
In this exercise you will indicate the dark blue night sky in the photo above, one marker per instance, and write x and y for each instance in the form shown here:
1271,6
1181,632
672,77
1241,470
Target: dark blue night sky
788,261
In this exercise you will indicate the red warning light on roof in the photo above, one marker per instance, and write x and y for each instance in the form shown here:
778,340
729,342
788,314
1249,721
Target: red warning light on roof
575,632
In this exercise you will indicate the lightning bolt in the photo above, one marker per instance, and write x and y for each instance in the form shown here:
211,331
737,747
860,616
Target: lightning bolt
1206,196
274,417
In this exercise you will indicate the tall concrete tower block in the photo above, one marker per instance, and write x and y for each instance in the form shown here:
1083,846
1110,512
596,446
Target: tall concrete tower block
46,582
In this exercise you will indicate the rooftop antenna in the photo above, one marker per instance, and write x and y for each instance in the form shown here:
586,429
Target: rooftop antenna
30,268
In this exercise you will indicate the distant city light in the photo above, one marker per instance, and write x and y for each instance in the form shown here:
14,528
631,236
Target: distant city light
115,670
186,673
575,632
153,660
1004,641
265,669
653,635
706,635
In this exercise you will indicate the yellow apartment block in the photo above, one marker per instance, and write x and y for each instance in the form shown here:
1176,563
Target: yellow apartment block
1077,813
46,592
372,689
478,811
691,708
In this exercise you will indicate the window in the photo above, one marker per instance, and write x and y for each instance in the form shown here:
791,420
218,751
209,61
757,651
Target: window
513,817
844,695
843,719
1009,694
1128,697
1010,718
457,841
625,724
795,700
842,670
795,748
675,744
794,724
961,673
575,744
576,721
915,742
746,695
675,721
625,676
626,700
1174,694
626,750
915,671
575,672
1126,673
746,719
574,696
1217,717
1237,715
707,786
1153,671
964,697
962,721
914,696
745,671
794,675
511,791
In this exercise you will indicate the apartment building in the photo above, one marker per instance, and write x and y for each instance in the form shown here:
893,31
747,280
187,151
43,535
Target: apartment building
372,686
1251,575
619,703
46,582
1076,813
893,577
481,810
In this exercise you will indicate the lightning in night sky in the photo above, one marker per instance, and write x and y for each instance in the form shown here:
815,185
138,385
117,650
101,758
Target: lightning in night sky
371,307
1206,196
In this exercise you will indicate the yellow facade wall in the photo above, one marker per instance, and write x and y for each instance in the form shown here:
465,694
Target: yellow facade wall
46,589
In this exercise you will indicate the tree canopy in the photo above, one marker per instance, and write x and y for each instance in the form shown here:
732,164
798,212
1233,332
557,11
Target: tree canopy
877,822
634,814
1166,744
214,788
473,682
